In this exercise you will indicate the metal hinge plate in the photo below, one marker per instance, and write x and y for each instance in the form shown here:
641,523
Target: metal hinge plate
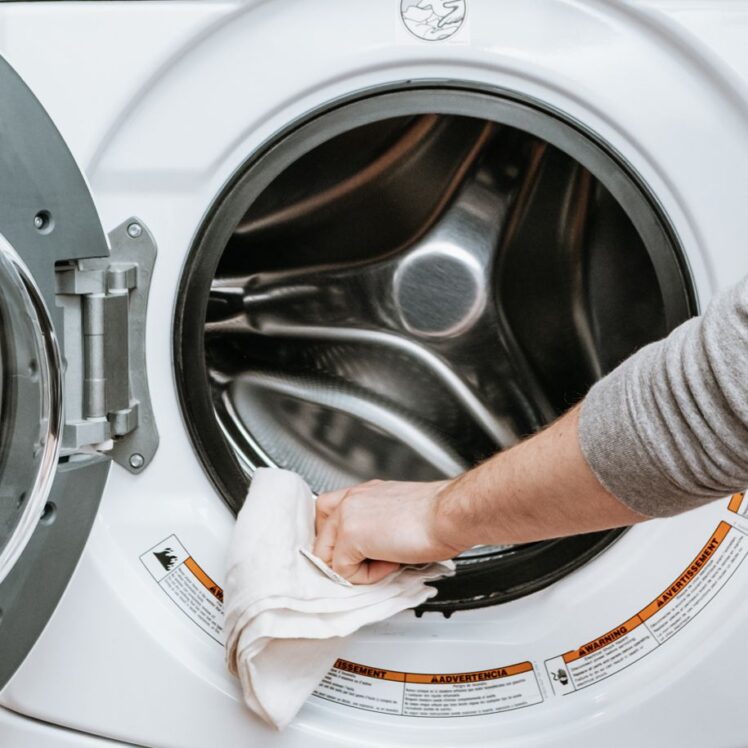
104,303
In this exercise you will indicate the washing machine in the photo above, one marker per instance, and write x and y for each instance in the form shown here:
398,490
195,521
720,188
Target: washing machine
354,238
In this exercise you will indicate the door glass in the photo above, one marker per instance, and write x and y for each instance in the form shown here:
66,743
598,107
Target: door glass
30,406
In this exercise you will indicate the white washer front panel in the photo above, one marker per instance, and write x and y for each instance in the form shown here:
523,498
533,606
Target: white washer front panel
126,654
21,732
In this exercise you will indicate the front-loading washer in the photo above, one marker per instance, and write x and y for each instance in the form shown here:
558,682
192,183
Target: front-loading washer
353,239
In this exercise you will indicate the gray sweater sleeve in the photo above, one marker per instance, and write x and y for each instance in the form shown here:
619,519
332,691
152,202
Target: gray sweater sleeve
668,429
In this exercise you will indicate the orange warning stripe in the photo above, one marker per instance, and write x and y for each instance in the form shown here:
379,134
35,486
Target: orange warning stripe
604,640
433,678
475,676
735,502
688,575
369,672
203,578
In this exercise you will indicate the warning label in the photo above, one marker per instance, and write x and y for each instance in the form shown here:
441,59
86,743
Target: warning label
431,694
495,690
667,614
188,586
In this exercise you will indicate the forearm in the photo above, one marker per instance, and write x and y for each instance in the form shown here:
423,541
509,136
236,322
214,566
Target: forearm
665,432
541,488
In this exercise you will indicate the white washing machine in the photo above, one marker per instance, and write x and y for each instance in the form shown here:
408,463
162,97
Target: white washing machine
354,238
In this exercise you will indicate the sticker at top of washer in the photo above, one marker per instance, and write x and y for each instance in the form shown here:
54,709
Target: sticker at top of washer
442,695
187,585
654,624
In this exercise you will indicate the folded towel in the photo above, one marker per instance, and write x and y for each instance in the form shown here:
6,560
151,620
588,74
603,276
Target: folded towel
286,611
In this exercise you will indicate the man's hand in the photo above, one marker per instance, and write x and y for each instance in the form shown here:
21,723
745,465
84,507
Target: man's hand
366,531
541,488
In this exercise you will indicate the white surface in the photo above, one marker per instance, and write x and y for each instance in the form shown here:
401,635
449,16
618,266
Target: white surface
18,731
161,103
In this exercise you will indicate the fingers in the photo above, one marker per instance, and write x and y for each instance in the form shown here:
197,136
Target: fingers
326,504
324,543
338,549
355,566
348,564
369,572
329,501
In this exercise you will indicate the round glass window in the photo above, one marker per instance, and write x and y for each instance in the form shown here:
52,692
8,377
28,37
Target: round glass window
30,406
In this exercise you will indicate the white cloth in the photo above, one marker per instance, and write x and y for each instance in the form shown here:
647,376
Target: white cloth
284,616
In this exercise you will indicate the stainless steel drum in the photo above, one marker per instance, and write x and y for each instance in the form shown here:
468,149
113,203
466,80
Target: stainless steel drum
410,281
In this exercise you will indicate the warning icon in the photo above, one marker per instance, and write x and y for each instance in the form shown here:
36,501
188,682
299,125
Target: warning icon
561,676
166,558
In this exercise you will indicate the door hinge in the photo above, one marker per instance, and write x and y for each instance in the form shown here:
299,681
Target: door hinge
104,303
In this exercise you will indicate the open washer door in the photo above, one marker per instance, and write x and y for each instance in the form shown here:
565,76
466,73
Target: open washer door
71,332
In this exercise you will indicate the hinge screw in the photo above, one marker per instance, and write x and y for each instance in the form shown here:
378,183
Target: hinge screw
137,461
43,222
134,230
